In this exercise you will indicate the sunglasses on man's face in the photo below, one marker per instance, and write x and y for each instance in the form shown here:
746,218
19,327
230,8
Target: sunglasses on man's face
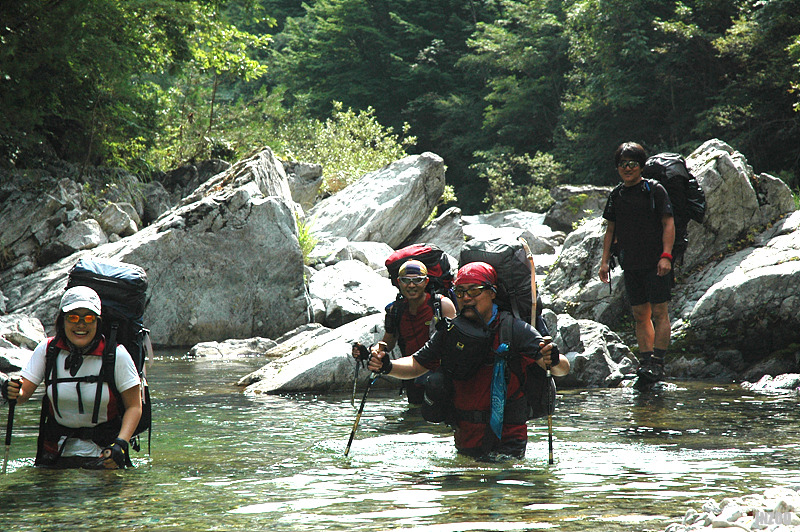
74,318
629,164
412,280
475,291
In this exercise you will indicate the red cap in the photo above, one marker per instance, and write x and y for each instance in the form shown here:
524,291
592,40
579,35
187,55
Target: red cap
476,273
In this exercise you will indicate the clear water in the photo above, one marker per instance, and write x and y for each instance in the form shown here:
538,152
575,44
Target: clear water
224,461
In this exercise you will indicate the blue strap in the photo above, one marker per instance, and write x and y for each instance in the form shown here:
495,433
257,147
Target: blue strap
498,393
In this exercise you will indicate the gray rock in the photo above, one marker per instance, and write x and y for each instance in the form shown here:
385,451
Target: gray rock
225,266
156,202
446,231
13,359
18,330
305,180
575,204
234,348
320,360
597,356
349,290
115,220
385,205
768,383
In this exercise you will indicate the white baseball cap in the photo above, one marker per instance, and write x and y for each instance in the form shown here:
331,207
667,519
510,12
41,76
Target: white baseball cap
80,297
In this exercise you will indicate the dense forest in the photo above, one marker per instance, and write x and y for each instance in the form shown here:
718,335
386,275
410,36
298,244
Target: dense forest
516,95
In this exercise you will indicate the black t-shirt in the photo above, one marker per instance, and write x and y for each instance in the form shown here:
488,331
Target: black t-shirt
637,214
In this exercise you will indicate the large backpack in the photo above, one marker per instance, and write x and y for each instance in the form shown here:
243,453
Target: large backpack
513,269
440,280
687,198
514,296
440,271
123,292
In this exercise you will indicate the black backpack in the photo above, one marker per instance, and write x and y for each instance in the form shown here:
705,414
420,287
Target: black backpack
123,292
514,296
687,198
513,269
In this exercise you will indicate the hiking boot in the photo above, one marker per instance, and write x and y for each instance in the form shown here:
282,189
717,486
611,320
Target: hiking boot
651,369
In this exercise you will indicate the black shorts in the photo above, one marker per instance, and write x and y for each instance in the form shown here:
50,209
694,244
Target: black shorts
646,286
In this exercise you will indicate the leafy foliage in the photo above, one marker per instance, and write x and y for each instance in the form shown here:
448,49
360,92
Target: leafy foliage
348,145
518,181
306,237
515,95
92,79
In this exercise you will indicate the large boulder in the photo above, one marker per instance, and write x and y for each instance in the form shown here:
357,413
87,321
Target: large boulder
318,360
328,252
227,265
349,290
575,204
19,335
305,179
597,355
749,298
385,205
446,231
450,230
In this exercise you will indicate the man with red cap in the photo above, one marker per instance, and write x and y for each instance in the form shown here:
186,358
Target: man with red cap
411,319
467,351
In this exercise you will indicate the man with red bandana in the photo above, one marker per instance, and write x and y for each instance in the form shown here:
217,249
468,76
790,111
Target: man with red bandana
467,351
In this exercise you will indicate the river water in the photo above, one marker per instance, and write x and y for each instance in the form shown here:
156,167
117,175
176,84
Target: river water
624,461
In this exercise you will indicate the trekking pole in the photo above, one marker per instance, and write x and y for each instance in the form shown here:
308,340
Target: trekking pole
9,426
549,418
529,254
355,382
372,378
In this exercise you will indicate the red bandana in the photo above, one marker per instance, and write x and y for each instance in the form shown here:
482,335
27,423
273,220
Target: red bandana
476,273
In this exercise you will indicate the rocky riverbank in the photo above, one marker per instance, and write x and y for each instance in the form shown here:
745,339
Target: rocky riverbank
221,248
774,510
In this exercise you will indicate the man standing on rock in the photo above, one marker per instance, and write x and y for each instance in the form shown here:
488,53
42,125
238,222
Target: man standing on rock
411,319
640,225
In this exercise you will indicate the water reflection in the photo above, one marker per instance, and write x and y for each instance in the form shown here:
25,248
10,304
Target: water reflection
223,461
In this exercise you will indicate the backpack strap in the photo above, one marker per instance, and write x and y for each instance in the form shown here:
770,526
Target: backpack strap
51,379
507,337
107,370
438,318
50,371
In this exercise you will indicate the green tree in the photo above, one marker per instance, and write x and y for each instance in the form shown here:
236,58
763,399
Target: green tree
91,80
518,181
524,55
398,58
755,110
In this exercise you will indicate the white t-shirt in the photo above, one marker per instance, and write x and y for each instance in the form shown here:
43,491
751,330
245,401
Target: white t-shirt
68,414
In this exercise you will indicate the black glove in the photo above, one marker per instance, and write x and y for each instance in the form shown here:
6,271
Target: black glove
360,352
554,356
386,364
4,382
119,453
